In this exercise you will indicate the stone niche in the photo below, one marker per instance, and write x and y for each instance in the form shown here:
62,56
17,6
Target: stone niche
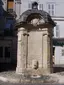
34,48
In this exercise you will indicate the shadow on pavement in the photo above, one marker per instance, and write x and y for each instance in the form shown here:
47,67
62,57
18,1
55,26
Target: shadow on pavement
58,69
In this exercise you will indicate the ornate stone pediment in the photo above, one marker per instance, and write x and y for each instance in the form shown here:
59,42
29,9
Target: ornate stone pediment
37,21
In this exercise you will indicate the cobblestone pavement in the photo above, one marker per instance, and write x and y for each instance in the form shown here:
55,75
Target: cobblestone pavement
7,77
11,76
7,83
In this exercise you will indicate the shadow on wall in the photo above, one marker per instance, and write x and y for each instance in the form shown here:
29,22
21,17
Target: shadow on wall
7,67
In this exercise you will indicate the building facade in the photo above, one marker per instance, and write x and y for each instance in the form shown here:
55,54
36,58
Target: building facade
7,36
54,8
12,6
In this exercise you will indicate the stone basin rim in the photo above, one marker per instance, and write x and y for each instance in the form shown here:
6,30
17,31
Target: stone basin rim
35,76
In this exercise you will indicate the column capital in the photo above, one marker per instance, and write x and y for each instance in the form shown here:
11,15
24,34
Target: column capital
46,34
21,29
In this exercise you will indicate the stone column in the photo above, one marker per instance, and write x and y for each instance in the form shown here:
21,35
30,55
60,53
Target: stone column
21,51
46,53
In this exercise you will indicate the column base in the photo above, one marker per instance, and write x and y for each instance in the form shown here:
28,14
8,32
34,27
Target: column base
41,71
20,70
47,70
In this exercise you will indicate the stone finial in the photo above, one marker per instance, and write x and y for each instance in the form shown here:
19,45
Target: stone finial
34,5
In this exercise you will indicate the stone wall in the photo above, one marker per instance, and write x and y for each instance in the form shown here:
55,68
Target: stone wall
34,50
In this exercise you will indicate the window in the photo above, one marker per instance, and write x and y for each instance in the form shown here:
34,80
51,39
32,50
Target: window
4,52
7,52
30,6
40,6
10,10
9,23
10,6
53,50
1,11
51,8
8,30
18,1
7,26
57,31
1,52
62,52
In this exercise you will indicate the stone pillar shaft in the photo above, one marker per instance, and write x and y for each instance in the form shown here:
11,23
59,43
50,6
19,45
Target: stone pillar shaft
21,52
46,53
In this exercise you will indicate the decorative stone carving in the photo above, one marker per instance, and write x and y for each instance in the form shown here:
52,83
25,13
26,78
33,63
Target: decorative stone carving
34,64
37,21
